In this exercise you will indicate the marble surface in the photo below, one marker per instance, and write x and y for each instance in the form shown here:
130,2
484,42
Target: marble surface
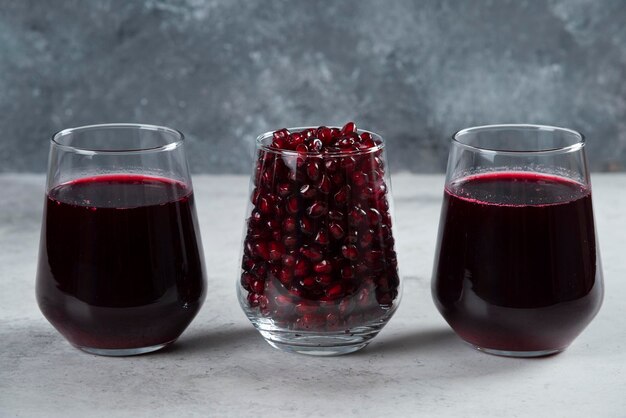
222,367
225,71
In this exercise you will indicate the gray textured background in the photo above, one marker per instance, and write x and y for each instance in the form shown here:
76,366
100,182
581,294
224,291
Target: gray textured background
223,71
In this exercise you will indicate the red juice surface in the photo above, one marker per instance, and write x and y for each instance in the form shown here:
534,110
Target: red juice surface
517,266
120,261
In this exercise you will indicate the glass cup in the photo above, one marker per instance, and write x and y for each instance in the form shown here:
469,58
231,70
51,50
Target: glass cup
319,271
121,268
517,269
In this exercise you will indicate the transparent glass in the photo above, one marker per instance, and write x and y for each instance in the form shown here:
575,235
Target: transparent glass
517,270
319,270
121,267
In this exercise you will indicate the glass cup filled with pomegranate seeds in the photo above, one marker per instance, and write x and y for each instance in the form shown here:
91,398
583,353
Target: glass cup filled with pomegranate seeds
319,272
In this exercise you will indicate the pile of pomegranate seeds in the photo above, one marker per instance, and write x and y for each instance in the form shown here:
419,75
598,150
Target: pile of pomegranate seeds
324,140
319,253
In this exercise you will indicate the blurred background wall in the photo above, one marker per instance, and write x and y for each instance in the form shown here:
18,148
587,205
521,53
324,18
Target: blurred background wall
224,71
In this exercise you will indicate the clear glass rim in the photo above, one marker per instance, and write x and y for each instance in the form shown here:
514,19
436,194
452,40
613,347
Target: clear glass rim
579,144
265,147
178,138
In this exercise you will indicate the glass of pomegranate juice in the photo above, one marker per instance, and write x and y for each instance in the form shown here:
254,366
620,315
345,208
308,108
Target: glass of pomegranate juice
121,268
319,271
517,269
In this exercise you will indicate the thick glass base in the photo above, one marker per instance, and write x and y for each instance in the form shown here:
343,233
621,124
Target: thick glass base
124,352
321,344
520,354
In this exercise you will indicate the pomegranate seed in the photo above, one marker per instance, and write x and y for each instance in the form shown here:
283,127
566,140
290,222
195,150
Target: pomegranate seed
335,215
322,237
338,180
276,250
316,145
306,226
366,238
279,143
361,269
324,279
301,268
260,270
279,212
350,252
307,191
341,197
348,128
359,179
374,259
290,241
312,253
308,282
246,280
255,196
386,219
324,134
290,224
367,140
347,164
253,300
281,134
385,299
352,238
317,209
324,185
347,273
313,170
356,216
273,224
323,267
366,193
288,260
261,250
297,139
373,217
380,191
283,189
292,205
332,165
383,283
255,217
285,276
247,263
335,291
336,230
385,232
258,286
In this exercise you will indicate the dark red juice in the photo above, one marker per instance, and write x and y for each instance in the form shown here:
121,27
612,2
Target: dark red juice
120,261
517,266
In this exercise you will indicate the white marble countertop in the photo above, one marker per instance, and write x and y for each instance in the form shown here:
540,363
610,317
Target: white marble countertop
222,367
